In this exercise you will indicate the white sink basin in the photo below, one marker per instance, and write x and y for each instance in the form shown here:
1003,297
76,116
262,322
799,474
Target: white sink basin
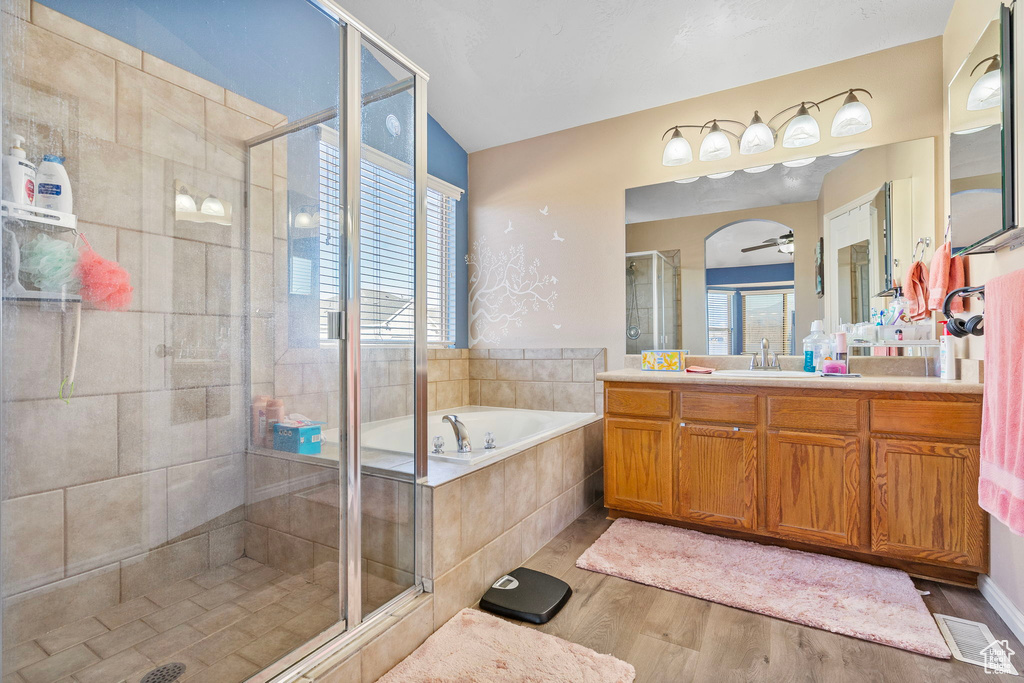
789,374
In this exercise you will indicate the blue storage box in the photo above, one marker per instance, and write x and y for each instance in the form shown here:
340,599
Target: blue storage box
304,439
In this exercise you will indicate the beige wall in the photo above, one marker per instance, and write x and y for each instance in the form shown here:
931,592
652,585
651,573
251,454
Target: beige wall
581,175
966,24
688,235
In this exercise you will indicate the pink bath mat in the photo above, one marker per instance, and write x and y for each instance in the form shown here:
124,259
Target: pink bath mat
860,600
474,647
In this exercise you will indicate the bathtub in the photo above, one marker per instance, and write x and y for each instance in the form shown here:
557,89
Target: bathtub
387,444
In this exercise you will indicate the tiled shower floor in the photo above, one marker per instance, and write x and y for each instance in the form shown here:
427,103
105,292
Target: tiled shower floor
224,625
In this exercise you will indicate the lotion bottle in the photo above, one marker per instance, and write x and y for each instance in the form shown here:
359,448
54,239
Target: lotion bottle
947,354
53,188
19,175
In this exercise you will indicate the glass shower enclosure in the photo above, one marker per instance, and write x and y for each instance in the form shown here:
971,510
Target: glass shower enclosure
185,477
652,301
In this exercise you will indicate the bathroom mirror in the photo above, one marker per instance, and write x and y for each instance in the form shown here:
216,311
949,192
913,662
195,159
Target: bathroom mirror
713,265
981,184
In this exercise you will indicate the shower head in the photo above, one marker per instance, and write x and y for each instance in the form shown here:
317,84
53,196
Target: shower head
631,267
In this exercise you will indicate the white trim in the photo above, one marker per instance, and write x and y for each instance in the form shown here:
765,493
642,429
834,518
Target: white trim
831,265
1004,607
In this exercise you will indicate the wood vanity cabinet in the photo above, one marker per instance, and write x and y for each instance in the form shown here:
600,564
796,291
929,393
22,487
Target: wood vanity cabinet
878,476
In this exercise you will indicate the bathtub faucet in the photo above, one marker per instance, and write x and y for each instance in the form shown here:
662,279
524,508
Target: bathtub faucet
461,434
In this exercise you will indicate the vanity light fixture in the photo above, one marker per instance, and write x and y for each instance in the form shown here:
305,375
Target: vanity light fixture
723,174
184,202
802,129
307,217
714,147
786,248
757,138
677,151
797,163
987,91
716,143
758,169
212,206
852,118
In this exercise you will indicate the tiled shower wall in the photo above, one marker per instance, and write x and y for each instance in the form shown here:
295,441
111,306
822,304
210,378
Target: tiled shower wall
140,479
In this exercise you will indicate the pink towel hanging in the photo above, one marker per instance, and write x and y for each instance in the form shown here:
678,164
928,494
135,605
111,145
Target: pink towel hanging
1001,487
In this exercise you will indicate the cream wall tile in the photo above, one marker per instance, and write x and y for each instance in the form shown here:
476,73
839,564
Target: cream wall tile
537,530
289,553
161,428
101,170
178,76
514,369
520,486
149,571
449,395
280,276
30,332
205,350
583,371
313,406
256,542
593,446
261,283
87,451
549,471
227,413
32,541
387,402
505,353
287,380
576,397
500,394
281,157
205,495
447,527
261,167
225,280
253,109
268,488
437,370
573,458
388,649
457,589
542,353
261,231
115,519
119,352
159,118
67,27
552,370
23,10
480,368
227,130
349,671
483,494
322,377
30,615
458,369
502,555
590,353
534,395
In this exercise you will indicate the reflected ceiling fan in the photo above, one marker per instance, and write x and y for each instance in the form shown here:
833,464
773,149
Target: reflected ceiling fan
784,243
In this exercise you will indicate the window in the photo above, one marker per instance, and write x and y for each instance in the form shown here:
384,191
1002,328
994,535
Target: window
387,248
719,322
768,315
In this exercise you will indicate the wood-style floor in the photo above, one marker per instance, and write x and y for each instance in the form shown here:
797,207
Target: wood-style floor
673,637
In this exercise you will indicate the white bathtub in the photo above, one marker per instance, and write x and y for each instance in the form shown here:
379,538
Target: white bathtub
387,444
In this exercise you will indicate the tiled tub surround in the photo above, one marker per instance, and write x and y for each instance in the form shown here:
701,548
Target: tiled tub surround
537,379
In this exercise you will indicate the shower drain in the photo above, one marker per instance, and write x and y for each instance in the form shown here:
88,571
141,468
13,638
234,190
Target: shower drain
168,673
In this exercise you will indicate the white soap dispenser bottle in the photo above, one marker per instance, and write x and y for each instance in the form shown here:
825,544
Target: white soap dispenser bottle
53,188
19,175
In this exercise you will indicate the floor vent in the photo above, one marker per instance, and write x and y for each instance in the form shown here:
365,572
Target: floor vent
168,673
973,642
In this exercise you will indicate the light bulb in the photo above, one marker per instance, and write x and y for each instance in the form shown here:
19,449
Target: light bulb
723,174
213,207
797,163
987,91
758,169
677,151
184,202
757,138
802,130
786,248
684,181
852,118
715,145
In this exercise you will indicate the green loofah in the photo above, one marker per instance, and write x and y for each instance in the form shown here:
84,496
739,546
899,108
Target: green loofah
48,263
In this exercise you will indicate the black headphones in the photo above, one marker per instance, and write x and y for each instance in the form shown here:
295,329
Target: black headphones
959,327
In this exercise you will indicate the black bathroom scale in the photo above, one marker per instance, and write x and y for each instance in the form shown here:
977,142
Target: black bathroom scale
526,595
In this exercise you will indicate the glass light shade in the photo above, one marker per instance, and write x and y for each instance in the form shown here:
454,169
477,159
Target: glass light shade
801,131
184,202
797,163
723,174
987,92
213,207
303,220
758,169
677,151
971,131
844,154
786,248
715,145
757,138
684,181
852,118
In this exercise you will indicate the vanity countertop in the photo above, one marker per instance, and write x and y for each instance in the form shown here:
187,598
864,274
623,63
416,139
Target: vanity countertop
765,379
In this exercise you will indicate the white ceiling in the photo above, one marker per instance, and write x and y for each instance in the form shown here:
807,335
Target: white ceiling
722,249
504,71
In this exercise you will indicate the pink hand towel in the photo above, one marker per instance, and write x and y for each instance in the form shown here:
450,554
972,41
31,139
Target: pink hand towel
915,289
956,281
947,274
1001,487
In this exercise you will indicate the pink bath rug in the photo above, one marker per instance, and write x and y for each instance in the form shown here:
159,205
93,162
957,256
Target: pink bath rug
474,647
842,596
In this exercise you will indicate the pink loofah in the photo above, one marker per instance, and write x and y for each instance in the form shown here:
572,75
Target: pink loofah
104,283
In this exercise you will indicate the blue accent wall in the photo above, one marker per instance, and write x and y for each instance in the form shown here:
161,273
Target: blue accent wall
283,54
742,275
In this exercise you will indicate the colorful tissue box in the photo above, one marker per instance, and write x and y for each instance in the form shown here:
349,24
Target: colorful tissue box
304,439
671,361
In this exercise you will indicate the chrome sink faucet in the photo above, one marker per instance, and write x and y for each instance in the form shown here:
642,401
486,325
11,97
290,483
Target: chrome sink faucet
461,433
765,359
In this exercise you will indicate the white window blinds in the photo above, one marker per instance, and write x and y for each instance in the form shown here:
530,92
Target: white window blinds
387,249
719,322
767,315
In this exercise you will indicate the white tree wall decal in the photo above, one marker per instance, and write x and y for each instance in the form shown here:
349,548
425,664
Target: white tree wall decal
503,289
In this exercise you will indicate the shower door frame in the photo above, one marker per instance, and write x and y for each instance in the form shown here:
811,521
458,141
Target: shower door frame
656,296
353,34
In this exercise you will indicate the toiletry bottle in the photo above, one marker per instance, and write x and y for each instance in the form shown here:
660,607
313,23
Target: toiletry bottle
53,189
947,354
816,347
275,413
259,419
19,175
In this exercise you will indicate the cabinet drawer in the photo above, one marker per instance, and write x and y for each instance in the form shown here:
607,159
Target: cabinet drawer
927,418
814,412
727,408
639,402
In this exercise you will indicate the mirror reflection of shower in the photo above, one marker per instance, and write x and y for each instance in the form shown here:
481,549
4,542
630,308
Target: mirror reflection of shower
652,300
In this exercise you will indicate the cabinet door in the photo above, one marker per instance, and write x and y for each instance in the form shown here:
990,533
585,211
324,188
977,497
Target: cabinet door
814,487
717,473
924,502
638,465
